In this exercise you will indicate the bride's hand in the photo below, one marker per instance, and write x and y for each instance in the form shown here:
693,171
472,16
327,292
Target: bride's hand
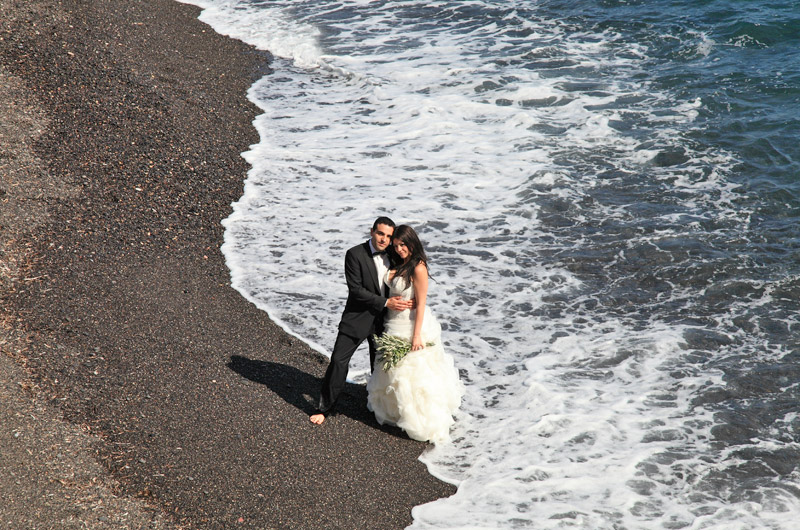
416,343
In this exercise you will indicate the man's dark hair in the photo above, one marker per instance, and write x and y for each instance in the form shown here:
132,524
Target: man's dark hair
382,221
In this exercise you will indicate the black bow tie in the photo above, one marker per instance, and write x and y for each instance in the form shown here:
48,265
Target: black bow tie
379,253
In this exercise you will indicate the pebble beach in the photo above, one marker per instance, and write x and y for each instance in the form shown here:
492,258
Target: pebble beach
139,390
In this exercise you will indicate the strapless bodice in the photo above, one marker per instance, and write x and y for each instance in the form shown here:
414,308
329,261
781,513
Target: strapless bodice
401,323
398,287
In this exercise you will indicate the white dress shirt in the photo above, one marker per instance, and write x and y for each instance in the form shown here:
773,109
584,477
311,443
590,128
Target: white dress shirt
381,263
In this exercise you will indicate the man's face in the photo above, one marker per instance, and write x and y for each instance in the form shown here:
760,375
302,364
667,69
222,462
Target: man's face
381,236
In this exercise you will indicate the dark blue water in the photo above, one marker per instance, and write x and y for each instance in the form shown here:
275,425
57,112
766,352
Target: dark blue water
609,195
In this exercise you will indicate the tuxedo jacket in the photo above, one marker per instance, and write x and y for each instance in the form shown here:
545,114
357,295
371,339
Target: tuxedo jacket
366,300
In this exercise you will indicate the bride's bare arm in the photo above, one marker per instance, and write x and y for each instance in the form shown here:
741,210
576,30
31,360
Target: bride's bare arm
420,277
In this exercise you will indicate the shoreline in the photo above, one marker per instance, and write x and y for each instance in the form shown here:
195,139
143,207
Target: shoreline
119,304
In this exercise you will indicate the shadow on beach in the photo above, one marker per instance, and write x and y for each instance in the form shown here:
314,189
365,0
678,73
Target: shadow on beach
296,388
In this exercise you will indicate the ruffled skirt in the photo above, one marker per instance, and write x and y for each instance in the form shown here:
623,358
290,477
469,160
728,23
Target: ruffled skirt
423,391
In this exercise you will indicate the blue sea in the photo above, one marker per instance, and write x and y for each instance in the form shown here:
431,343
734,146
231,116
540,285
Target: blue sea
609,192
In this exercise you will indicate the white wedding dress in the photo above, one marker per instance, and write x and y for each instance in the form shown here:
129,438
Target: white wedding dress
422,392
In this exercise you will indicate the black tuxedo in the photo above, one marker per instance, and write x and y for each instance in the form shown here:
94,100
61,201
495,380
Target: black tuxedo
362,318
365,294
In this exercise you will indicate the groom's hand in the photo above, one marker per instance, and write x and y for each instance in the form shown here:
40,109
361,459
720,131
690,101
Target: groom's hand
396,303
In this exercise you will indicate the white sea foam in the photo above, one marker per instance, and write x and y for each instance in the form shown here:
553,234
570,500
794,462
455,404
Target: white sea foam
575,416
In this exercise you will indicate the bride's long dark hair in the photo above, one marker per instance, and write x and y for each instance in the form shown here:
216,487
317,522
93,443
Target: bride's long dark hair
407,235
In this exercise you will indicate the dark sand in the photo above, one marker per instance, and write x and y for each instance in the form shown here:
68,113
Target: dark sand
121,133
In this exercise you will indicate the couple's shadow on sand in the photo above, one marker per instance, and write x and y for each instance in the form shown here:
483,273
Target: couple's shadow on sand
296,388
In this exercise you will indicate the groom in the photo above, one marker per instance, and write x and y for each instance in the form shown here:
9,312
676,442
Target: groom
364,268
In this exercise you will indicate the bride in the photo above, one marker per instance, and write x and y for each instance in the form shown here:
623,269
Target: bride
420,393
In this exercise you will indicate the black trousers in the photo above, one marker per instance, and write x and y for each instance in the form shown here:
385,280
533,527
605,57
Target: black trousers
336,374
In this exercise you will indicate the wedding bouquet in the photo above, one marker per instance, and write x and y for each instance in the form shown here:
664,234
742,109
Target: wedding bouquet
392,349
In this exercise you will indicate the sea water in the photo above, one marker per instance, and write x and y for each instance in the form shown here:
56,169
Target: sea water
609,194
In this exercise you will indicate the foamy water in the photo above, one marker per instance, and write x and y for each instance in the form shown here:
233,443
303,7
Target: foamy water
570,214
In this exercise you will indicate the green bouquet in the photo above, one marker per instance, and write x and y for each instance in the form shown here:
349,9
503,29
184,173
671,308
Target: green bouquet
392,349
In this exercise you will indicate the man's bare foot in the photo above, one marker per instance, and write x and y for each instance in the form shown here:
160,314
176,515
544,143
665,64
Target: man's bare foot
317,418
